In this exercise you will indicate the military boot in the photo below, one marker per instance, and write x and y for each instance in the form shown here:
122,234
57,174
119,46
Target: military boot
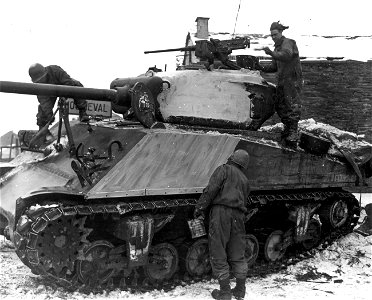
292,138
239,290
224,293
83,117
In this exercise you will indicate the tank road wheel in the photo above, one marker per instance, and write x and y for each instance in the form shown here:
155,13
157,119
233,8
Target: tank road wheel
251,249
313,233
334,214
197,258
162,262
272,250
92,268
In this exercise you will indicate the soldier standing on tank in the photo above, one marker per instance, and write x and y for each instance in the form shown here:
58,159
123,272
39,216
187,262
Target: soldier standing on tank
53,75
225,198
286,62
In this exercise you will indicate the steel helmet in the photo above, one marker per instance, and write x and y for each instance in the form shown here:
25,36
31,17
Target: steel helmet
37,72
240,157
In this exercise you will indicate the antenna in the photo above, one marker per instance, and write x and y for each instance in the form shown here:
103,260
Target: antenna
236,19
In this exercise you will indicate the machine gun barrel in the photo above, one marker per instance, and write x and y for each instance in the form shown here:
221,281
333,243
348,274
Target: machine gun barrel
189,48
212,45
58,90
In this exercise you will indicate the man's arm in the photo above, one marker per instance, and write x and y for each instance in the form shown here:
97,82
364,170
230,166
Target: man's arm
210,192
285,53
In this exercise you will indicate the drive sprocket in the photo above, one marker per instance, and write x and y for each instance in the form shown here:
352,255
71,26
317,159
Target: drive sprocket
60,244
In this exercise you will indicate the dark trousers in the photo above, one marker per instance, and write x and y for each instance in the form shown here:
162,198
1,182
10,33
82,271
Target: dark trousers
227,242
287,104
45,109
288,101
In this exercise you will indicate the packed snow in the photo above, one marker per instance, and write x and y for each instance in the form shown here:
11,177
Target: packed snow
340,139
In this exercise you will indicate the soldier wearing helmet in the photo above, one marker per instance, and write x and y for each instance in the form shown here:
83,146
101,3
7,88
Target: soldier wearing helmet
226,199
53,75
286,62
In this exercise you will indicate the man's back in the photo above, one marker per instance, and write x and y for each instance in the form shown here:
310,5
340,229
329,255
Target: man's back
56,75
235,189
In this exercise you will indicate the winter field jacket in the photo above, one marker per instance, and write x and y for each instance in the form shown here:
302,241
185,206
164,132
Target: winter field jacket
286,61
227,186
58,76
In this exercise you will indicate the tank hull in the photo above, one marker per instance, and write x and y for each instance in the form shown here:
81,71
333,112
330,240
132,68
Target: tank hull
139,203
174,162
171,163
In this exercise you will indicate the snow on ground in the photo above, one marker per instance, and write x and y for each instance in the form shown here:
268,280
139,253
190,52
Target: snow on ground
343,270
314,47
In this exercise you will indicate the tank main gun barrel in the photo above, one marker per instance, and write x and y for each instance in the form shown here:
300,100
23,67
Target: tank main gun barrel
58,90
189,48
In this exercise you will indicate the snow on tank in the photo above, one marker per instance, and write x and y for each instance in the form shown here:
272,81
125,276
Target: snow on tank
223,95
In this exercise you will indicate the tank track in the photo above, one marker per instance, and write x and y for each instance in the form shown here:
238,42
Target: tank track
33,235
50,239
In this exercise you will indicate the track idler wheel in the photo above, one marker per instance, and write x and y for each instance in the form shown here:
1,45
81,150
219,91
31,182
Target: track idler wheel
93,268
334,214
197,261
273,249
162,262
313,234
251,249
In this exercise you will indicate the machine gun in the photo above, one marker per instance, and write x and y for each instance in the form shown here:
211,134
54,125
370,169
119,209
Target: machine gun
214,49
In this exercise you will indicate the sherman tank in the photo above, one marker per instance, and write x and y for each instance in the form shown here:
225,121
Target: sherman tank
112,201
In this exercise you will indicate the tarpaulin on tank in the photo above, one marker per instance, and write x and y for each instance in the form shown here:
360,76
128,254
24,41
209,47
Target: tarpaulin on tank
166,163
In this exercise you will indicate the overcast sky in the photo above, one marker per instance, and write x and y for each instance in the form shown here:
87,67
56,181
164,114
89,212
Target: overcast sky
98,41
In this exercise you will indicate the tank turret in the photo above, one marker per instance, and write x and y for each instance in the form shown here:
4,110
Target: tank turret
222,98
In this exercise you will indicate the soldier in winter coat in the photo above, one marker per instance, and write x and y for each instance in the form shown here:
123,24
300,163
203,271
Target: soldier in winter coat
226,199
53,75
286,62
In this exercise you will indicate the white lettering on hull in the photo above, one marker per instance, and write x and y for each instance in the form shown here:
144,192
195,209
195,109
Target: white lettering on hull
94,108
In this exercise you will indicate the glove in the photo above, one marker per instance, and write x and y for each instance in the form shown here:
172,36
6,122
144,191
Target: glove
198,214
267,50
